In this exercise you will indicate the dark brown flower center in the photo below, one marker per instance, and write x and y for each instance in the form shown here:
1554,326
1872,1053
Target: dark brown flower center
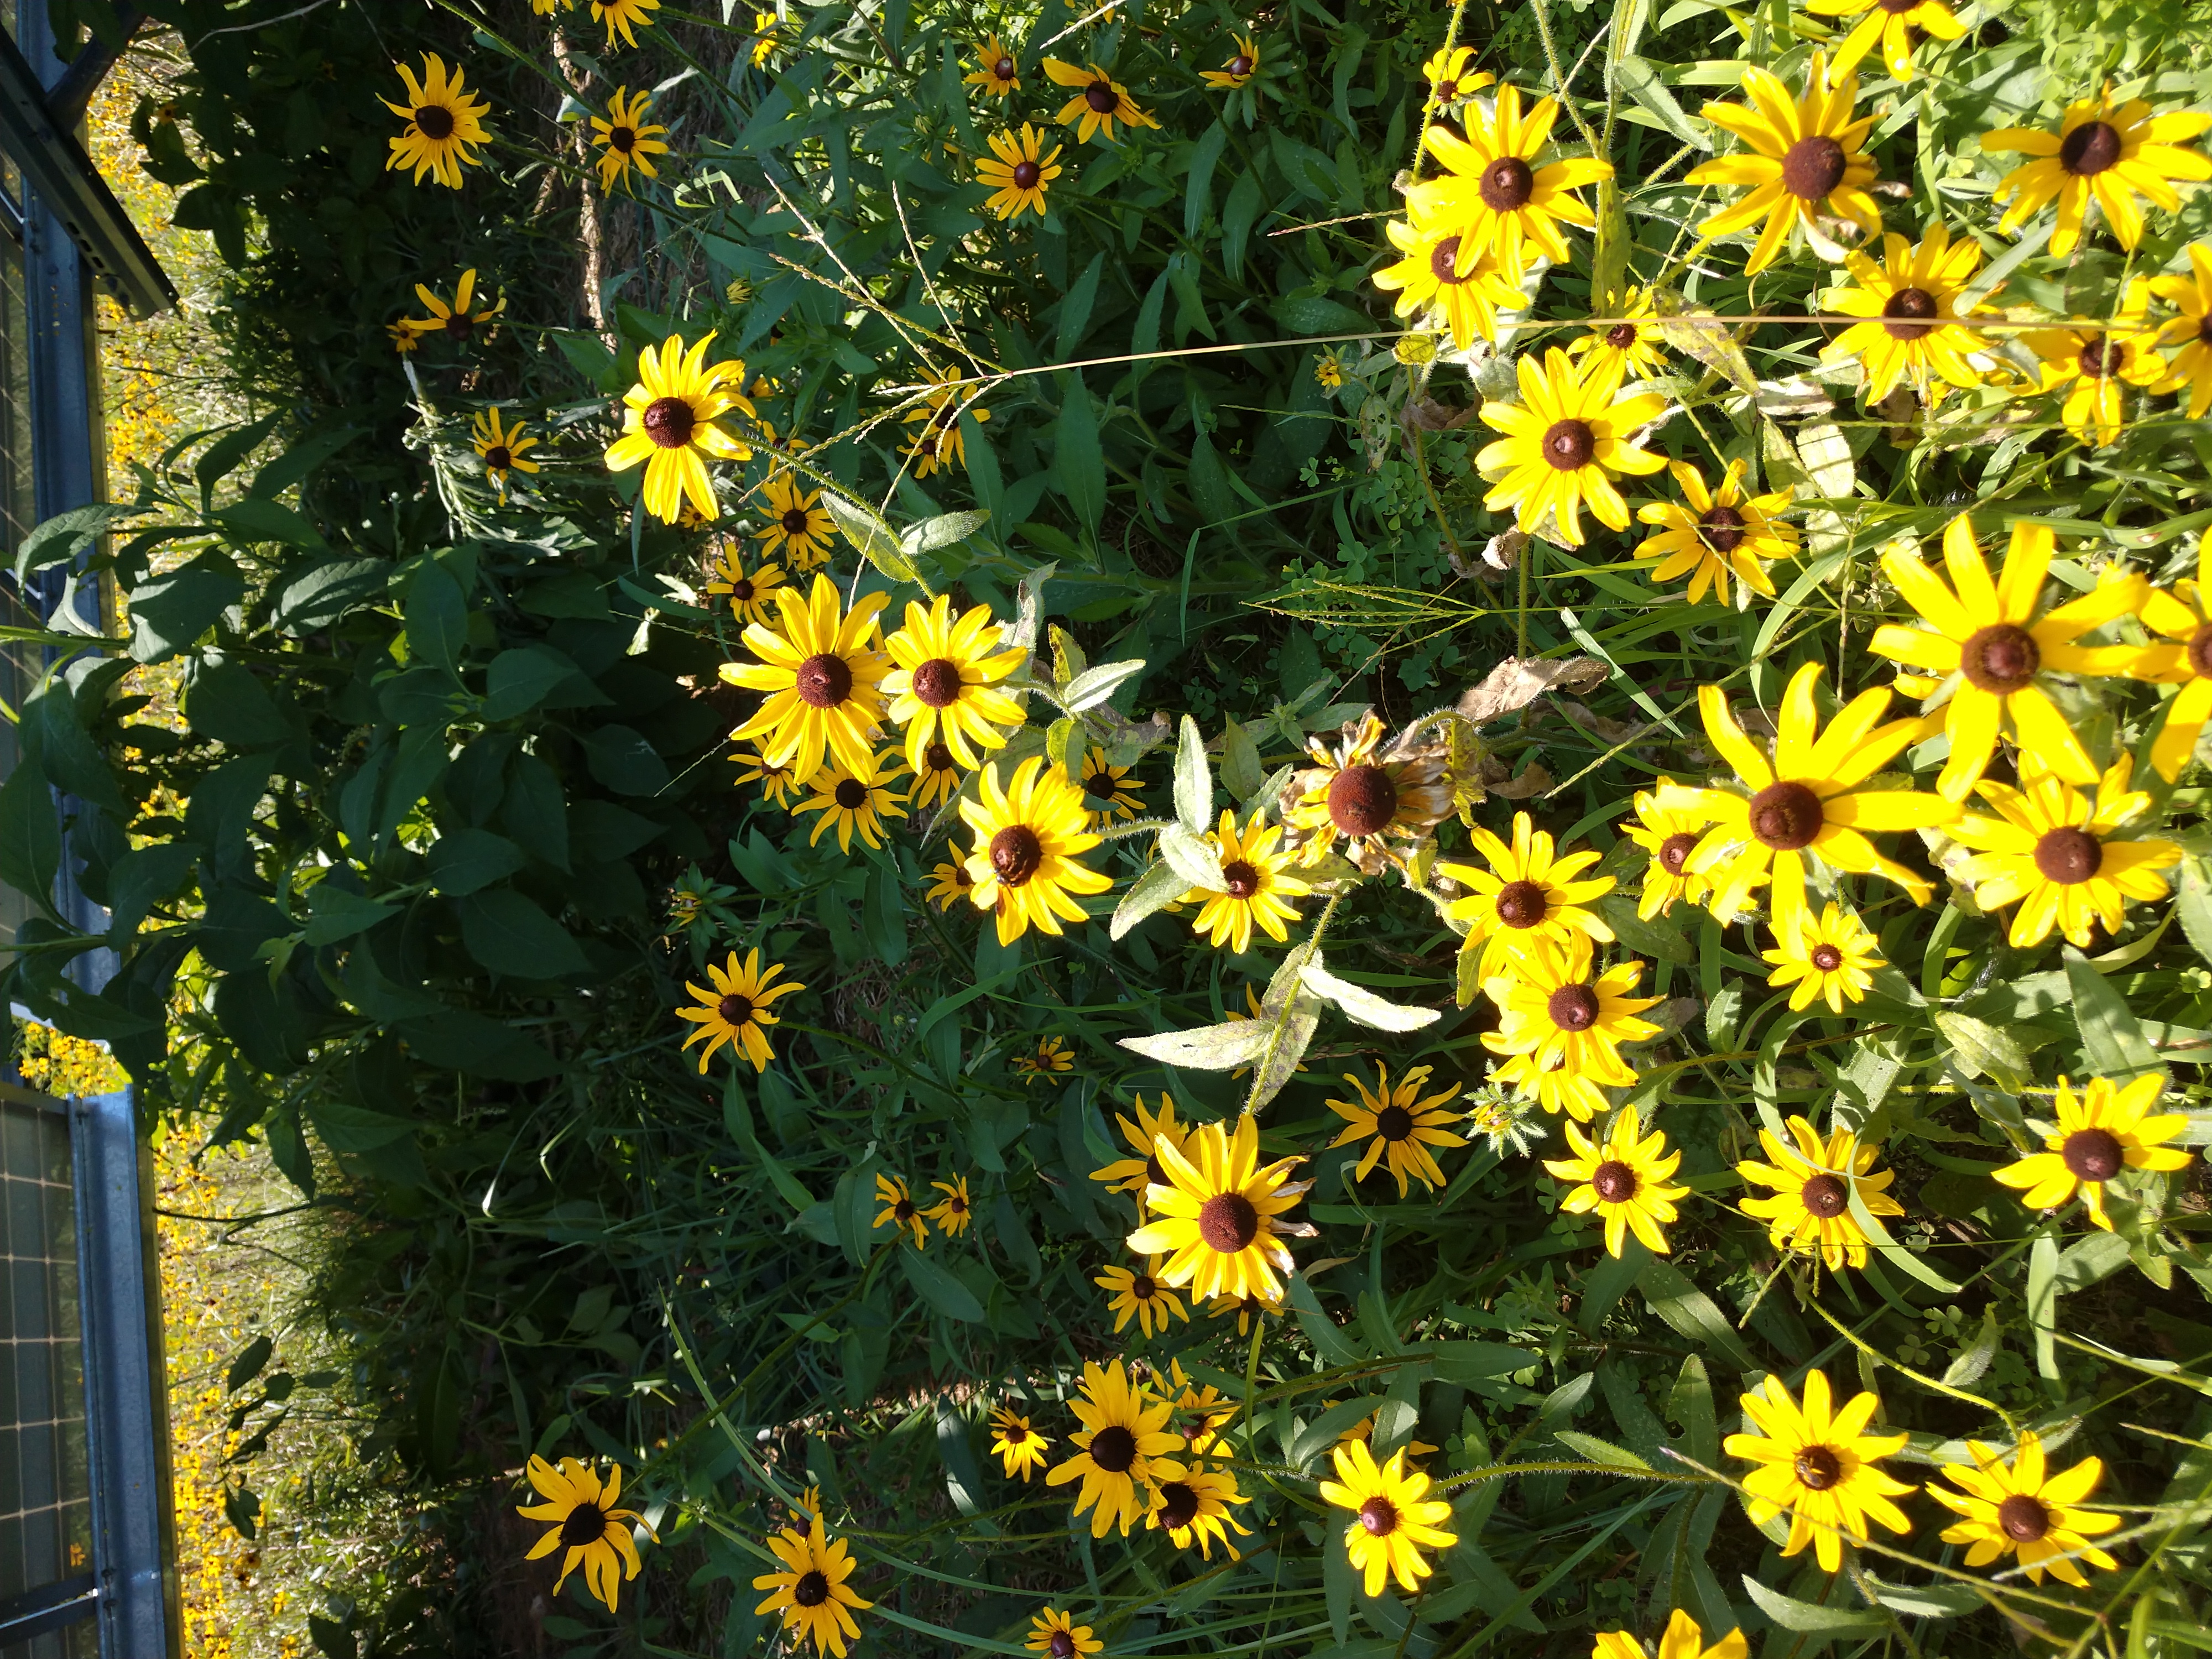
1101,97
937,681
1572,1007
1443,261
1905,313
2093,1154
1153,1173
2204,330
812,1588
1675,852
1448,89
1379,1515
824,681
1239,880
1178,1504
2068,855
1569,444
584,1525
1614,1182
1241,65
1813,167
1507,183
2102,360
499,458
1228,1223
1827,958
1520,904
1786,816
1362,800
1004,68
667,421
1061,1646
1826,1196
1099,786
1026,175
795,521
460,325
1897,8
1143,1288
734,1009
2023,1519
1723,529
937,758
902,1210
433,121
2093,147
1016,854
1819,1467
741,591
1621,336
1394,1123
624,139
851,794
2001,657
1113,1448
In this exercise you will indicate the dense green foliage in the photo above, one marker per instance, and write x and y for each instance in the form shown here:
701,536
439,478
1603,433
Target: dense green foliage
398,887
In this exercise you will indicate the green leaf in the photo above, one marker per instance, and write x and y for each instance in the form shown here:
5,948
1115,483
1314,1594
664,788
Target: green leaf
1205,1047
938,1288
339,914
1078,467
1161,886
1641,81
301,460
59,539
510,935
1807,1616
254,520
1675,1299
169,613
877,543
315,596
1241,773
1245,200
1599,1451
621,759
2193,901
1193,780
347,1128
53,731
142,878
1198,187
249,1363
463,862
437,616
228,702
2112,1043
1967,1370
1938,1600
1094,686
1075,309
1191,856
223,457
1361,1004
532,677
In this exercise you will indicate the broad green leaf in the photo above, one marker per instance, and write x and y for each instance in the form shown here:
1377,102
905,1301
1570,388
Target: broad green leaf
1599,1451
255,520
1809,1616
1642,83
1205,1047
1075,309
876,540
1361,1004
1198,186
1079,465
1967,1370
1241,774
532,677
1095,685
938,1288
437,616
2112,1043
1161,886
512,935
170,612
1192,857
1678,1301
1193,781
463,862
62,538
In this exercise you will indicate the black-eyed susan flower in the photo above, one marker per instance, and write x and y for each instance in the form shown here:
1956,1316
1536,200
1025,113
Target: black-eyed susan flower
799,528
1192,1505
1554,1007
810,1593
1124,1431
1019,170
464,318
1684,1639
502,448
937,777
1052,1057
1631,342
2018,1507
1393,1518
2095,365
1248,1309
1028,833
1712,533
1017,1446
2001,645
626,140
1450,77
1138,1293
1219,1216
995,70
1258,882
951,1213
2180,655
949,884
899,1212
1670,835
2191,365
939,443
2110,154
1398,1126
1364,1430
404,336
445,124
1624,1181
1563,444
738,1010
767,36
1913,326
671,422
1241,68
1807,154
1109,793
1099,101
2105,1129
1329,369
621,17
1895,26
1201,1413
943,689
751,593
1133,1175
1493,193
1428,279
775,781
1827,958
595,1533
1055,1634
1805,802
1382,802
852,801
1525,893
823,678
2055,852
1813,1183
1816,1465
